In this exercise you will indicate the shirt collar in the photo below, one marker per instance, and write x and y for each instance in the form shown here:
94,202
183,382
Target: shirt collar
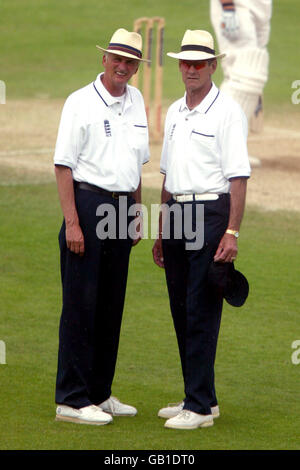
205,104
107,98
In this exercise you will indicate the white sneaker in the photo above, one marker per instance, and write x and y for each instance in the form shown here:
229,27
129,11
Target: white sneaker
87,415
173,409
189,420
114,407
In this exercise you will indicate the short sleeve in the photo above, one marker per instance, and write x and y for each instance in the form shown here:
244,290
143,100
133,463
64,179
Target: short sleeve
70,135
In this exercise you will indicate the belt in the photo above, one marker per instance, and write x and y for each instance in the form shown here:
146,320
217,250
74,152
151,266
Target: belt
195,197
96,189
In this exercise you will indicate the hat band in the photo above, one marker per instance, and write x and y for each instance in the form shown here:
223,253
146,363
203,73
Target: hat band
193,47
124,48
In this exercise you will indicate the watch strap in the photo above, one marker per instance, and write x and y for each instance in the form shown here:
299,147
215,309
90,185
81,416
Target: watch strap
233,232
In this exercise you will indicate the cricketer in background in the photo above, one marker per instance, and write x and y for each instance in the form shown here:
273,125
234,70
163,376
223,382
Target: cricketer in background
242,28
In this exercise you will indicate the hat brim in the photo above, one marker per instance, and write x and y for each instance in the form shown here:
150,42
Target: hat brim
228,282
237,290
122,53
194,55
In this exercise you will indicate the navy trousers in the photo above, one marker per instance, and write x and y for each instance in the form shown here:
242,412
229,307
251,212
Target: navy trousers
196,308
93,299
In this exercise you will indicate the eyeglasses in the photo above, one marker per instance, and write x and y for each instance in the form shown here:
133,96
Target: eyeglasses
197,65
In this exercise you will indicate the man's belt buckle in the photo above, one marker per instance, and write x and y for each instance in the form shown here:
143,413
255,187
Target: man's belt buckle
115,195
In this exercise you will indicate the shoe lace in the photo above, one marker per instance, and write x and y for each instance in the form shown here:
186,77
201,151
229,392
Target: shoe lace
185,414
114,399
94,408
114,403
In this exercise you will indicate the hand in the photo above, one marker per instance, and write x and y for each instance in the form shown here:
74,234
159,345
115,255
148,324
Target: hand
230,24
227,249
75,239
157,253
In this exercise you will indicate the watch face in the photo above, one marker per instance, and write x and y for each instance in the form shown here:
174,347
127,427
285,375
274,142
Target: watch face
236,234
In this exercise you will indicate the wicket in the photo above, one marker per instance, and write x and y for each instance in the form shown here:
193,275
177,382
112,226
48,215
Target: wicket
149,24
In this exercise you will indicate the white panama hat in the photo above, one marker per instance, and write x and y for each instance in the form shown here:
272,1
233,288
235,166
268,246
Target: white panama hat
196,45
125,43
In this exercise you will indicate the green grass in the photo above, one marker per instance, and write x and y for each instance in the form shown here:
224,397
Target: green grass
48,46
257,383
48,50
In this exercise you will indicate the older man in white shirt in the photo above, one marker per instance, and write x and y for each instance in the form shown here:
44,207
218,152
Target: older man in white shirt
101,146
205,162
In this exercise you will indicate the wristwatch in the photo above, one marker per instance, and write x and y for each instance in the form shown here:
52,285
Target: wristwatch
233,232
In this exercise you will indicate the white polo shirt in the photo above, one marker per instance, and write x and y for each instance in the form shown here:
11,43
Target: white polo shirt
102,138
203,148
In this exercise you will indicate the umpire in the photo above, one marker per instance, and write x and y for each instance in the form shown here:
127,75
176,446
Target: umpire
205,162
101,146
